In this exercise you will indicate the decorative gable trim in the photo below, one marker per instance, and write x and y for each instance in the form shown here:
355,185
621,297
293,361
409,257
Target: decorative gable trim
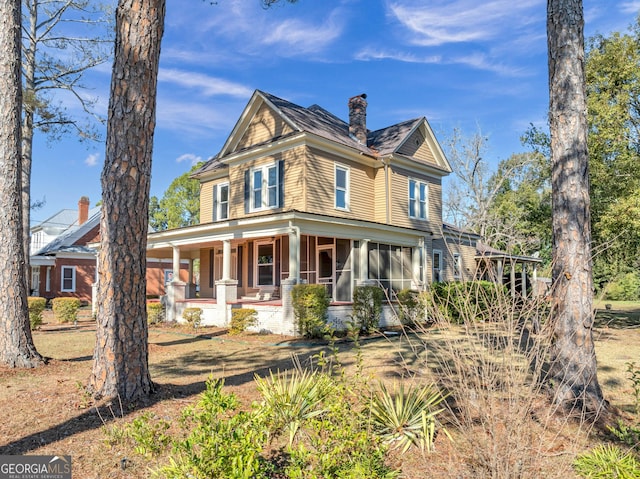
258,99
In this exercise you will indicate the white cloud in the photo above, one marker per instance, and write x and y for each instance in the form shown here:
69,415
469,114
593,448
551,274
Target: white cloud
208,85
631,7
440,22
195,119
478,61
189,158
92,159
372,54
299,37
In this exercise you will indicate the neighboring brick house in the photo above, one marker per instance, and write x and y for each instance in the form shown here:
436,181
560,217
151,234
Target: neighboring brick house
63,264
298,195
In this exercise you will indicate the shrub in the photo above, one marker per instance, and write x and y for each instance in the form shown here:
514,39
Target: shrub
241,319
219,441
406,418
310,307
193,316
411,310
36,307
367,308
155,312
624,288
65,310
478,300
339,442
604,462
149,433
291,399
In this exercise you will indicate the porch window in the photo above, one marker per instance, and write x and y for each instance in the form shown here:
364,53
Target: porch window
341,188
264,187
418,199
391,266
68,280
264,264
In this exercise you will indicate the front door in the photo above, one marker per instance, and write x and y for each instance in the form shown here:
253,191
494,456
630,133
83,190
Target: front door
326,267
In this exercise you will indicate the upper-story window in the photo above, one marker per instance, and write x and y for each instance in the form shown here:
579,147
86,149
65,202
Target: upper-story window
264,187
418,199
222,201
341,188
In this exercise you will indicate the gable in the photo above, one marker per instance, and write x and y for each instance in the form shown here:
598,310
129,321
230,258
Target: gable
417,147
265,125
422,145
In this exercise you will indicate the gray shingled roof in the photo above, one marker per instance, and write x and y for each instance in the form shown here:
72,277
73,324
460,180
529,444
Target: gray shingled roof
320,122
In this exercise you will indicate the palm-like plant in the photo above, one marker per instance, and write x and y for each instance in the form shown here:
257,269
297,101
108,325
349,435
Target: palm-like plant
291,398
406,417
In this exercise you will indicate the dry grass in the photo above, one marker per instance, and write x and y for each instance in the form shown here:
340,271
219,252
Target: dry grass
47,411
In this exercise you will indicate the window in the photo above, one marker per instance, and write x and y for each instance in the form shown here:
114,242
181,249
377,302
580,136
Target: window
391,266
265,264
437,265
341,188
222,202
68,279
457,265
418,199
264,187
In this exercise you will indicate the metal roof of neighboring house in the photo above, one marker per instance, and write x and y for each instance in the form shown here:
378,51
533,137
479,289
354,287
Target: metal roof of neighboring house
65,242
57,223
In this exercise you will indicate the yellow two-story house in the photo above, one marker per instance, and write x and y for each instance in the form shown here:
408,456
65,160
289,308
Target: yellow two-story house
298,195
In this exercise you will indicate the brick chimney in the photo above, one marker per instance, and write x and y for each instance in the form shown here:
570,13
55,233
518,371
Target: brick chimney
358,118
83,210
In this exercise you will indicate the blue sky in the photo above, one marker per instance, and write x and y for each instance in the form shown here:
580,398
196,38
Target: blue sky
460,63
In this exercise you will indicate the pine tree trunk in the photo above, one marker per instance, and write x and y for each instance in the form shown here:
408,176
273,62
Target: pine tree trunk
28,77
573,361
16,343
120,365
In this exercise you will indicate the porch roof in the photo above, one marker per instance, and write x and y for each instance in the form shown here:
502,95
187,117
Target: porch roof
484,251
191,238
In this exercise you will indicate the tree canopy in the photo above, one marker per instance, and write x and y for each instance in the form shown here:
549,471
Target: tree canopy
180,204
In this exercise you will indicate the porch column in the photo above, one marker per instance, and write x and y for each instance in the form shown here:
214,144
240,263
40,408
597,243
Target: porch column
534,279
226,260
524,280
226,287
175,289
364,280
500,271
513,279
294,254
416,261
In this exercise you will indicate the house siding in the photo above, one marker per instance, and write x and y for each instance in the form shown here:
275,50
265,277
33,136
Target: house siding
320,167
417,147
265,125
206,201
400,201
380,200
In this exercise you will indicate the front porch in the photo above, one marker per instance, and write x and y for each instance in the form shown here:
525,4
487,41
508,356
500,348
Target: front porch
271,317
256,263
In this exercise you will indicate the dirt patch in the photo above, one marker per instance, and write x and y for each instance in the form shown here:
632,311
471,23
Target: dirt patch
47,410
